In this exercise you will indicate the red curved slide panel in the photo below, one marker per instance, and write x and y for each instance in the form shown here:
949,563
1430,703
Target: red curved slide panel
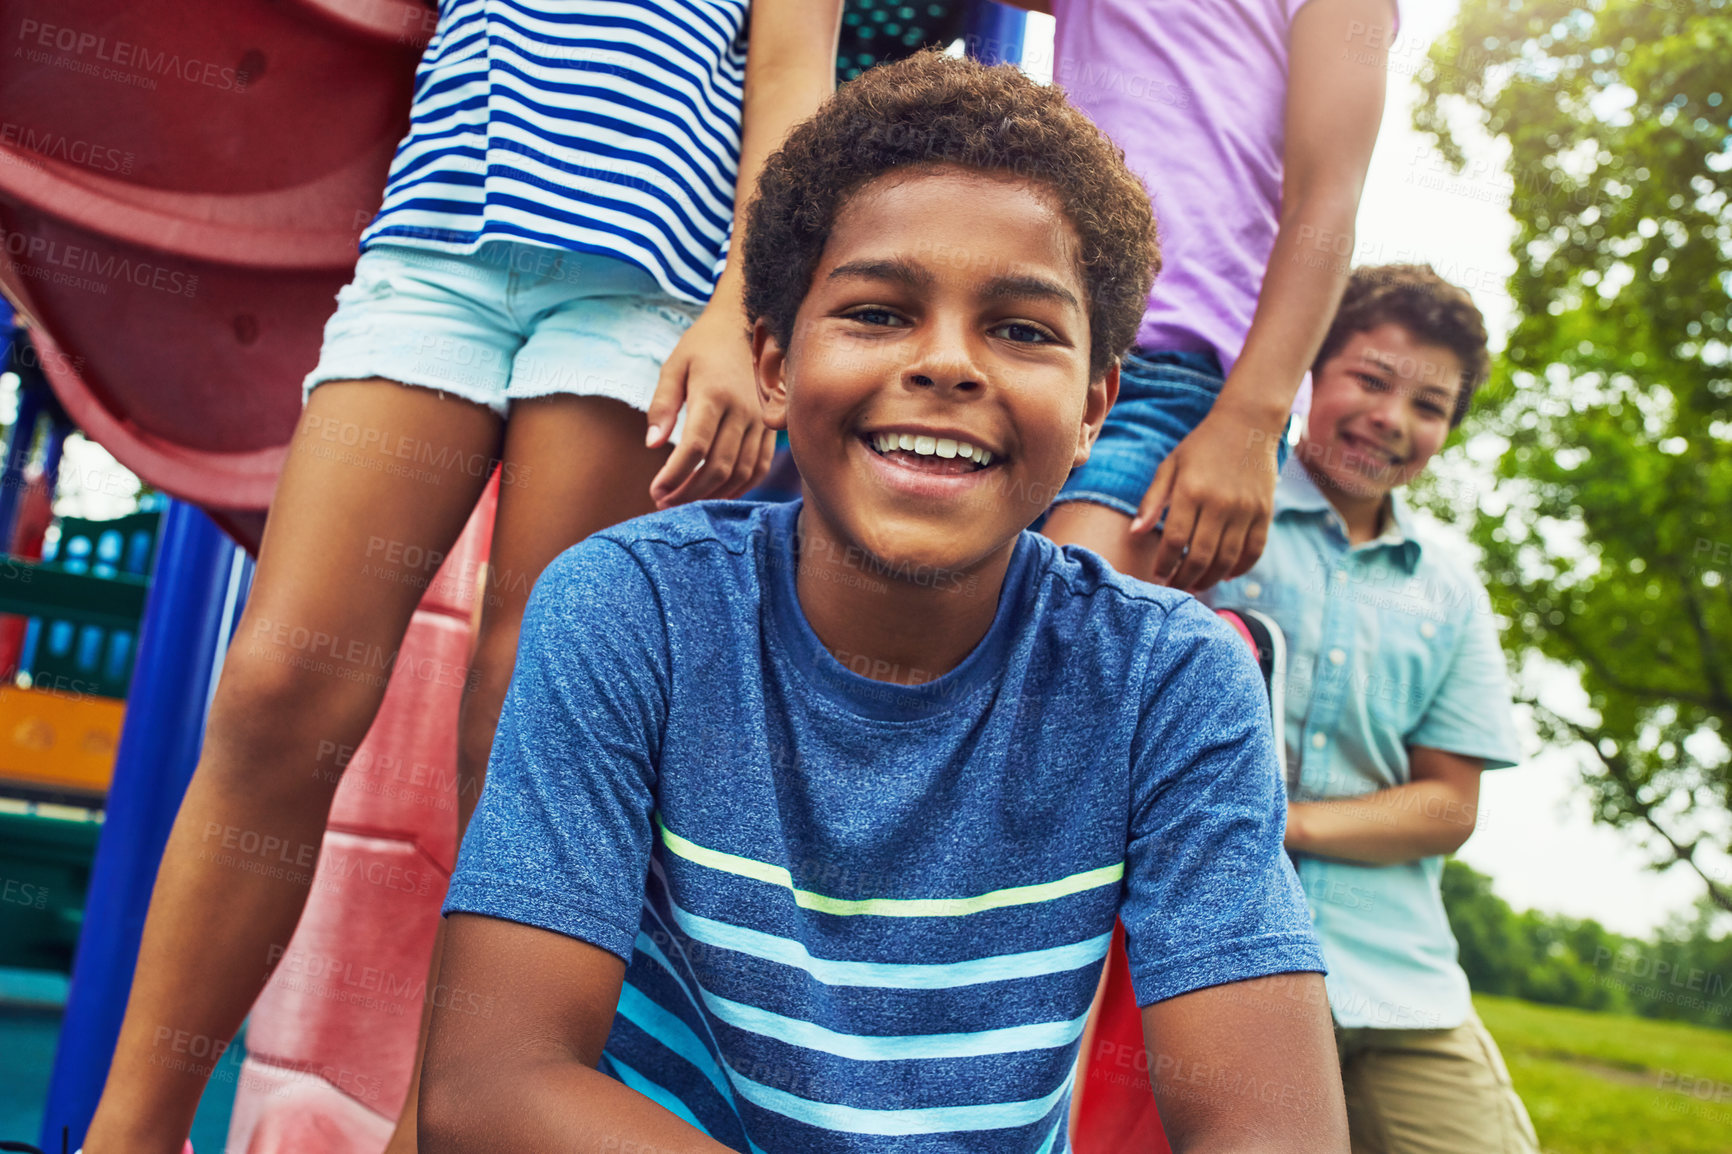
182,183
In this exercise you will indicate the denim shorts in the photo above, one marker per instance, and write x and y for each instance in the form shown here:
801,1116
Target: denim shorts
1162,397
509,322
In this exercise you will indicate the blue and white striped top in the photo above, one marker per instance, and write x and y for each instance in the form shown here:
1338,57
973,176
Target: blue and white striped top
603,126
864,916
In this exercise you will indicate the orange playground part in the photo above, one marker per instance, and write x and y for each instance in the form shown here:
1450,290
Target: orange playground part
60,742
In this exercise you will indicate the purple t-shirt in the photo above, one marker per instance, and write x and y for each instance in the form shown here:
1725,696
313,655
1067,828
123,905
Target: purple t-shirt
1195,92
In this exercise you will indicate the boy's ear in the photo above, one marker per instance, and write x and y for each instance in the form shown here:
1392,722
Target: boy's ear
1101,395
769,364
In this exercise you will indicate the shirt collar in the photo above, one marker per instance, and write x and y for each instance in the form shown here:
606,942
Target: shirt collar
1297,493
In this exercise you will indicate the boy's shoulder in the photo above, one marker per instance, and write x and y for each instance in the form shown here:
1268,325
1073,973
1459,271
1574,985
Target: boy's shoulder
728,524
1128,608
1447,566
663,550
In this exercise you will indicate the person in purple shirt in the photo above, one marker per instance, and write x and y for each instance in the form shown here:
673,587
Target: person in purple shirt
1252,123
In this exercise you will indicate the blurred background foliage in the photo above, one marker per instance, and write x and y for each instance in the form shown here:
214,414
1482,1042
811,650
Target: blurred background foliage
1608,543
1684,973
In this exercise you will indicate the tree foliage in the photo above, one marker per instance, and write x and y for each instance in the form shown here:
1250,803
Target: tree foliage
1684,973
1610,549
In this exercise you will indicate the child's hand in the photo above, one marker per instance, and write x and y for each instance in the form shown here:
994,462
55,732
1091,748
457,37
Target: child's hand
725,448
1217,489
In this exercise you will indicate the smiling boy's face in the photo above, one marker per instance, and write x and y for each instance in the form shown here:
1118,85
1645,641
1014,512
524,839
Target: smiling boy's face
1380,410
947,310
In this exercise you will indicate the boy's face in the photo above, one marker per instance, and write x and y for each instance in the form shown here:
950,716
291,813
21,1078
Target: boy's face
947,307
1380,409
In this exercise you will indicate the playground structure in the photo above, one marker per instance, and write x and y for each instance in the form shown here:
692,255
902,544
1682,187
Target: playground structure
179,205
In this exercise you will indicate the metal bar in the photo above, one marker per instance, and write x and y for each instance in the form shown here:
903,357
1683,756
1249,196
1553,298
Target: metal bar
54,451
994,33
31,390
30,589
185,620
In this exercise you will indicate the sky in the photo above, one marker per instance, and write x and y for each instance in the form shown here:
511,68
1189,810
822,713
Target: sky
1536,837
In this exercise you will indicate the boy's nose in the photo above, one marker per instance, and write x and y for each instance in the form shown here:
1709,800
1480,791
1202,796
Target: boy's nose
1388,410
945,360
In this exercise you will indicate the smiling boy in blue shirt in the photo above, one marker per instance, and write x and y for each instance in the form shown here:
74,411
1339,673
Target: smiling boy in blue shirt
808,824
1397,699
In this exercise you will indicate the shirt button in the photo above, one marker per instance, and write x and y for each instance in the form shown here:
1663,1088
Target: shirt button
1336,657
1341,574
1252,589
1427,629
1318,741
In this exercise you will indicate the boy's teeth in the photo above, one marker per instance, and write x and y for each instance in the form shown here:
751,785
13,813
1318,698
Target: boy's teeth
931,447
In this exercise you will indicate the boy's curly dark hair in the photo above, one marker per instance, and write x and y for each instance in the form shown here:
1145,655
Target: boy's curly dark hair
933,109
1426,305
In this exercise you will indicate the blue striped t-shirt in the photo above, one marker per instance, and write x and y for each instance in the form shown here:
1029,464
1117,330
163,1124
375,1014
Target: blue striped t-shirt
603,126
859,915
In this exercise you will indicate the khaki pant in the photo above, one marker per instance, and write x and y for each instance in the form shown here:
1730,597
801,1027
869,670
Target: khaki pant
1431,1092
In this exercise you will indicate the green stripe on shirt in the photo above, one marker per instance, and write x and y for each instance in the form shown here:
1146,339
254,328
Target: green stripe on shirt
888,907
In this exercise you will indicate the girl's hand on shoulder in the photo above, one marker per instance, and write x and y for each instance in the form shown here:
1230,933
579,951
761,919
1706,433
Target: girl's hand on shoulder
725,447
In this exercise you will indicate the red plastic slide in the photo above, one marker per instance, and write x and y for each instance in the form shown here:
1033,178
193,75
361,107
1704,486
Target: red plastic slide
182,183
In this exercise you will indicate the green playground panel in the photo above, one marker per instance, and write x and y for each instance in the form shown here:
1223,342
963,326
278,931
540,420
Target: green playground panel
89,600
45,856
879,31
39,589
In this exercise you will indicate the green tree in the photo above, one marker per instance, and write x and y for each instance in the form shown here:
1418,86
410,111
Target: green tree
1608,546
1540,957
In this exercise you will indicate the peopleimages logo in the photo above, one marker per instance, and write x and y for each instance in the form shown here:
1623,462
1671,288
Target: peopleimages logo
89,268
89,52
37,143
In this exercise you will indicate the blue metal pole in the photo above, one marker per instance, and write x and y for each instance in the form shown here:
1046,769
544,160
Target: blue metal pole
53,452
191,608
994,32
31,391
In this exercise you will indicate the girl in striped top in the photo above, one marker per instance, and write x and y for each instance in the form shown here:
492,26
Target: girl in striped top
553,267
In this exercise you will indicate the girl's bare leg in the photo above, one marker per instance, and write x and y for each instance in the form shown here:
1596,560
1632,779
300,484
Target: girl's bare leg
375,468
572,466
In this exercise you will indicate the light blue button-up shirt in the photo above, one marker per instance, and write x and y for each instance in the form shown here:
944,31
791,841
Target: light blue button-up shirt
1390,644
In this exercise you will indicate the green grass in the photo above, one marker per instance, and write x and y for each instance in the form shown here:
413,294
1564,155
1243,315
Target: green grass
1609,1084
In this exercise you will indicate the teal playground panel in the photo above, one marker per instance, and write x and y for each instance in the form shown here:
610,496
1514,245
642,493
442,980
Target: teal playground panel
97,659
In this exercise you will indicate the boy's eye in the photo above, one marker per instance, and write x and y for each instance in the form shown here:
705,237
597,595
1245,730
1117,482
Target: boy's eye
1023,333
1372,382
874,316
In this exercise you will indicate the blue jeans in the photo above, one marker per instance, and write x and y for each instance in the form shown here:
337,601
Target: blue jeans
1162,397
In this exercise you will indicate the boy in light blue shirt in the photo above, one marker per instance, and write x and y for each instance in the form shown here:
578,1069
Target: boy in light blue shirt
1396,700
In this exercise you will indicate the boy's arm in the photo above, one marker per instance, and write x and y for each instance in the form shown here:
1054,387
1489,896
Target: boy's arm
522,1075
1221,948
790,69
1218,485
1248,1067
1466,729
1434,813
547,897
